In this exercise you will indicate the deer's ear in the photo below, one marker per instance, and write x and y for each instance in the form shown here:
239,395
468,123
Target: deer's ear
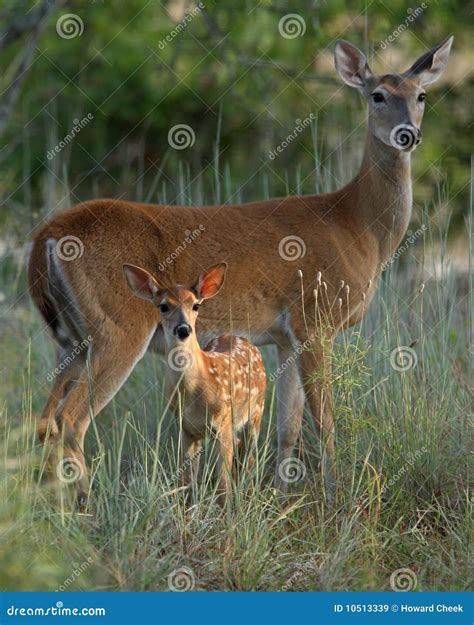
351,64
141,282
429,67
210,282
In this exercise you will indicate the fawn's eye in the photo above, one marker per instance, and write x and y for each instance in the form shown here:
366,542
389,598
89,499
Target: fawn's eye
421,97
164,308
378,97
196,307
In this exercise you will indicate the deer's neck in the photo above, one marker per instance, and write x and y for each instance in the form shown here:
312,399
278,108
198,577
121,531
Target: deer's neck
384,197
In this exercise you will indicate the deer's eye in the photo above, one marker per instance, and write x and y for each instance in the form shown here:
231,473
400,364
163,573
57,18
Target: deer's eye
421,97
378,97
164,308
196,307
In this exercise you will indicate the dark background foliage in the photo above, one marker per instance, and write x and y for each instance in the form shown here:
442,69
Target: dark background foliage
232,77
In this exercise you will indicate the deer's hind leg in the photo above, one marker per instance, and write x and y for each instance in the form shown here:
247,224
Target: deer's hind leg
111,357
70,362
65,374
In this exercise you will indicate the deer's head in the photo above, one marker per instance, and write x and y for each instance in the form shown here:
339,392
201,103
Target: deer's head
396,101
178,305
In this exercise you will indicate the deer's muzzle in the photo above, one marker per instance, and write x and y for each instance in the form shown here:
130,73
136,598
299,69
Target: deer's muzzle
182,331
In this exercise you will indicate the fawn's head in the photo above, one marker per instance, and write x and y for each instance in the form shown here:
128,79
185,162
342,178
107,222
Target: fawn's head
396,101
178,305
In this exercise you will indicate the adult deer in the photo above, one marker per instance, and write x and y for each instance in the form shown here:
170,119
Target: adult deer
346,235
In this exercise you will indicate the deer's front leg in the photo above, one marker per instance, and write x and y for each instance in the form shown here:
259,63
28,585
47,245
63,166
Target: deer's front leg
316,369
290,406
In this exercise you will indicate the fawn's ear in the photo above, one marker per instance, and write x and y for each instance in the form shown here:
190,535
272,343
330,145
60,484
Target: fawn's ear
210,281
429,67
141,282
351,64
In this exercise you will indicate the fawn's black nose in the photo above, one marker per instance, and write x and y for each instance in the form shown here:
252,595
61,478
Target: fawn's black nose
183,330
418,136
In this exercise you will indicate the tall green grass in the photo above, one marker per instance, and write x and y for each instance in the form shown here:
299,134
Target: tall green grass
403,496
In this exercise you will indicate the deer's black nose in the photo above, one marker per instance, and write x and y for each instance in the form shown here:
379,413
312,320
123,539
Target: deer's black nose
418,136
183,330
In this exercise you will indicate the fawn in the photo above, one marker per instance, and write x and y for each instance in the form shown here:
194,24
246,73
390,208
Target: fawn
223,384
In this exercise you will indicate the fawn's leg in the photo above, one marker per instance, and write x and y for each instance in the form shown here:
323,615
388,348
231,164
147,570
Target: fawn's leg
290,405
190,453
251,433
226,456
316,368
